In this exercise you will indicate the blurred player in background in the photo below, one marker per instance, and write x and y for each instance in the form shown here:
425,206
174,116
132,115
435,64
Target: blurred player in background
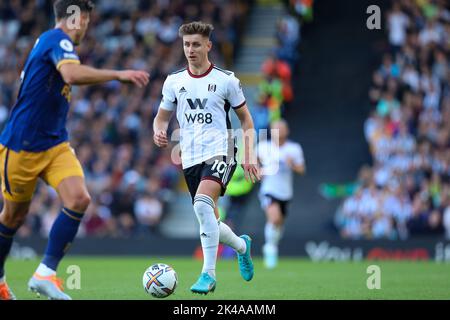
280,158
202,95
34,143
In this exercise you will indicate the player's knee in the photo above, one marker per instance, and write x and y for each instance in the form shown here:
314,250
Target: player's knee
13,219
273,213
203,205
79,202
278,220
19,220
83,201
275,217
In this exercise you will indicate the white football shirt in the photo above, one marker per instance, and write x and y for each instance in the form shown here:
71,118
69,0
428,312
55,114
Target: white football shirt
202,104
277,180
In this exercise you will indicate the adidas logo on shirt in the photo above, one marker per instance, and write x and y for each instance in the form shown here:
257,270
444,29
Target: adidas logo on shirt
182,90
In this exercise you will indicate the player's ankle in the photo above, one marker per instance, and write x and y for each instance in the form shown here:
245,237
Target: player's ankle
211,273
243,248
45,271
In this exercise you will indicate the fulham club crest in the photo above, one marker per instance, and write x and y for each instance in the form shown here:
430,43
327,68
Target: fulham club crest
212,87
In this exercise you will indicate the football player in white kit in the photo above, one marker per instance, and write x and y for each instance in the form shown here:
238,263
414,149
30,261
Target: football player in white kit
202,95
279,159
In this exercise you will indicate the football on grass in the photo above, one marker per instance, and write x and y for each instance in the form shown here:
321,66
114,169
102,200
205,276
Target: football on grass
160,280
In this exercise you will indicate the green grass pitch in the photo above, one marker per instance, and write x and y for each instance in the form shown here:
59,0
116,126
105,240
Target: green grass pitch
294,279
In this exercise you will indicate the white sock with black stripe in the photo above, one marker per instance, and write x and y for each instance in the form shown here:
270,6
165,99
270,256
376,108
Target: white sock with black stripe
209,231
228,237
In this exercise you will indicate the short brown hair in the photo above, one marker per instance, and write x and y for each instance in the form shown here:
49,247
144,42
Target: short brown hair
196,27
60,7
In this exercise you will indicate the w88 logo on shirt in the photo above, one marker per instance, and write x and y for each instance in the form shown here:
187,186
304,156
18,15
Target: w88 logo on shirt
198,117
198,104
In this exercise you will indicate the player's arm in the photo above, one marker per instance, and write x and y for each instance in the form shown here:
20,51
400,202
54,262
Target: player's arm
300,169
297,168
249,161
78,74
160,125
165,110
297,161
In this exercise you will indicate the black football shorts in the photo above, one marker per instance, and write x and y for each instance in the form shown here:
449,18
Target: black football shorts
267,200
216,169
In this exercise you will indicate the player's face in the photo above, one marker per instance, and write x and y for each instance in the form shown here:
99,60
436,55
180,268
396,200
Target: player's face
282,129
84,24
196,48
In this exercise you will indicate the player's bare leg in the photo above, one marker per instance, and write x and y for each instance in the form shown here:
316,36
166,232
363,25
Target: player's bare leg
272,232
11,218
74,194
75,198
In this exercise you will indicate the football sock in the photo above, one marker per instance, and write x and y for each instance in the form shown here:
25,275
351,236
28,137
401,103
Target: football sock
61,236
272,234
209,231
6,240
228,237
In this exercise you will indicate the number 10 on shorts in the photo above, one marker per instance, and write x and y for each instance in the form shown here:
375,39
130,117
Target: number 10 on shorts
219,166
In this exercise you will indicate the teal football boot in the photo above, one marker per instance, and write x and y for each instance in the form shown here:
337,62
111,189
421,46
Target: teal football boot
245,260
204,284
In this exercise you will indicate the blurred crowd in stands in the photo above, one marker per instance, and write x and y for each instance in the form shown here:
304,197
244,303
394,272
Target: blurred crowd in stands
110,126
406,192
275,93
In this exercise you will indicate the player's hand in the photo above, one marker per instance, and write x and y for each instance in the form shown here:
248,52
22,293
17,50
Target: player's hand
139,78
160,139
290,162
251,172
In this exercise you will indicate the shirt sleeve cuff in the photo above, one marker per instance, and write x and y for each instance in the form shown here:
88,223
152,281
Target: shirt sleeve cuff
64,61
168,107
240,105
